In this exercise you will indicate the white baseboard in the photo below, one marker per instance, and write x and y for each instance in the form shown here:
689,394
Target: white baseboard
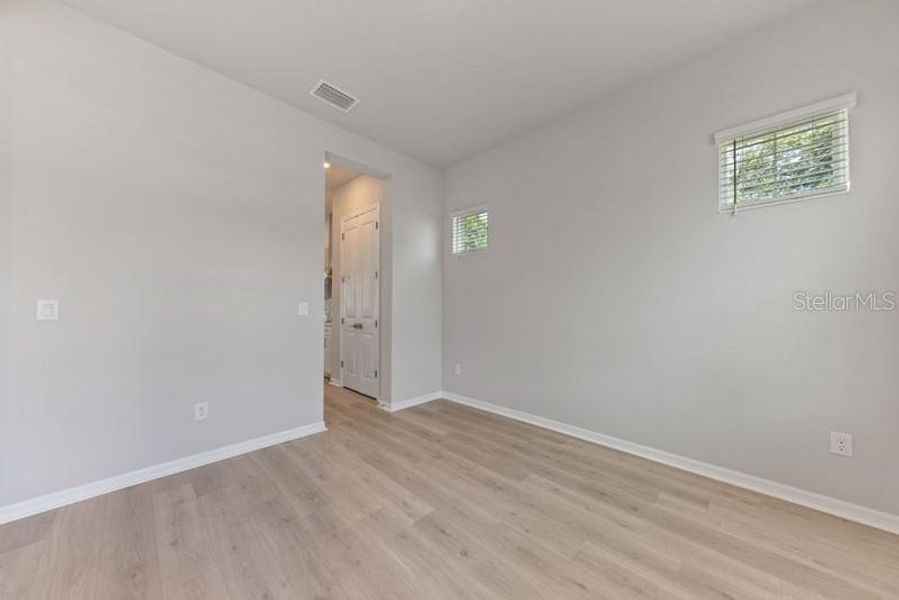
409,403
838,508
14,512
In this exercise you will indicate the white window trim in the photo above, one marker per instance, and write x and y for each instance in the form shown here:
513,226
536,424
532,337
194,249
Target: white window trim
468,211
843,102
837,103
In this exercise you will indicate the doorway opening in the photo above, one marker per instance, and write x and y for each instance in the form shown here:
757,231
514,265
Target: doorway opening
353,342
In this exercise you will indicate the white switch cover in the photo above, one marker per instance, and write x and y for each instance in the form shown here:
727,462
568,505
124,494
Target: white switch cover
457,369
304,309
47,310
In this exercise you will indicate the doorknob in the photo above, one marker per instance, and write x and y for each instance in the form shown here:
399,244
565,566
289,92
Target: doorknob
357,325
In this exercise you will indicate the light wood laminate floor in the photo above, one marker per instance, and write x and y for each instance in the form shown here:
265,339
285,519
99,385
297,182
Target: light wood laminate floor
440,502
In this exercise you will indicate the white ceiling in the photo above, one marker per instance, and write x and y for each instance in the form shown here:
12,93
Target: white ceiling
439,79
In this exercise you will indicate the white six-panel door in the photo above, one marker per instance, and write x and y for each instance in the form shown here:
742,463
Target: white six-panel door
359,260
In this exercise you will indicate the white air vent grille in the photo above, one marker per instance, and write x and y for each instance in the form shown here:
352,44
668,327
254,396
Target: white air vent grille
334,96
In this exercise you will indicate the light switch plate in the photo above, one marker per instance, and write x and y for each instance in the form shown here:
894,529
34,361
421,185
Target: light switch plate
304,309
47,310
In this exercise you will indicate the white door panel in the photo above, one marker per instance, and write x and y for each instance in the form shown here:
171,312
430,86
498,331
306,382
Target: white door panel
360,258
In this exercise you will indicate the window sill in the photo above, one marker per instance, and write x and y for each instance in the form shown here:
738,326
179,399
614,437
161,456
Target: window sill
727,210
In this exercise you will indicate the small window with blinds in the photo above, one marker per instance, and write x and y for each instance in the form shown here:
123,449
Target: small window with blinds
798,155
471,231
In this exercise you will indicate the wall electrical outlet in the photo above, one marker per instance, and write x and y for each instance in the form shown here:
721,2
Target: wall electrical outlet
841,443
47,310
201,411
303,309
457,369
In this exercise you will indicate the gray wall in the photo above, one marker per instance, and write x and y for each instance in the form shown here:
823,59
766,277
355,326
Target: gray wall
177,216
5,148
614,297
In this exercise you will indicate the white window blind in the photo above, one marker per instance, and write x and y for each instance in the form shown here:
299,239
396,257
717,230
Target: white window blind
797,155
471,231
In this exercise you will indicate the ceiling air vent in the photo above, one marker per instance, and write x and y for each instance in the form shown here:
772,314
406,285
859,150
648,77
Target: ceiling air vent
335,97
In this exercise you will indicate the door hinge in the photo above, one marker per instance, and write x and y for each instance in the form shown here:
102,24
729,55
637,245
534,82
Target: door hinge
343,236
376,322
342,320
341,363
376,373
376,274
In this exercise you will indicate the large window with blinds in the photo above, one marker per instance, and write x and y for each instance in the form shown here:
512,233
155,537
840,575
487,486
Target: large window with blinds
471,230
798,155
